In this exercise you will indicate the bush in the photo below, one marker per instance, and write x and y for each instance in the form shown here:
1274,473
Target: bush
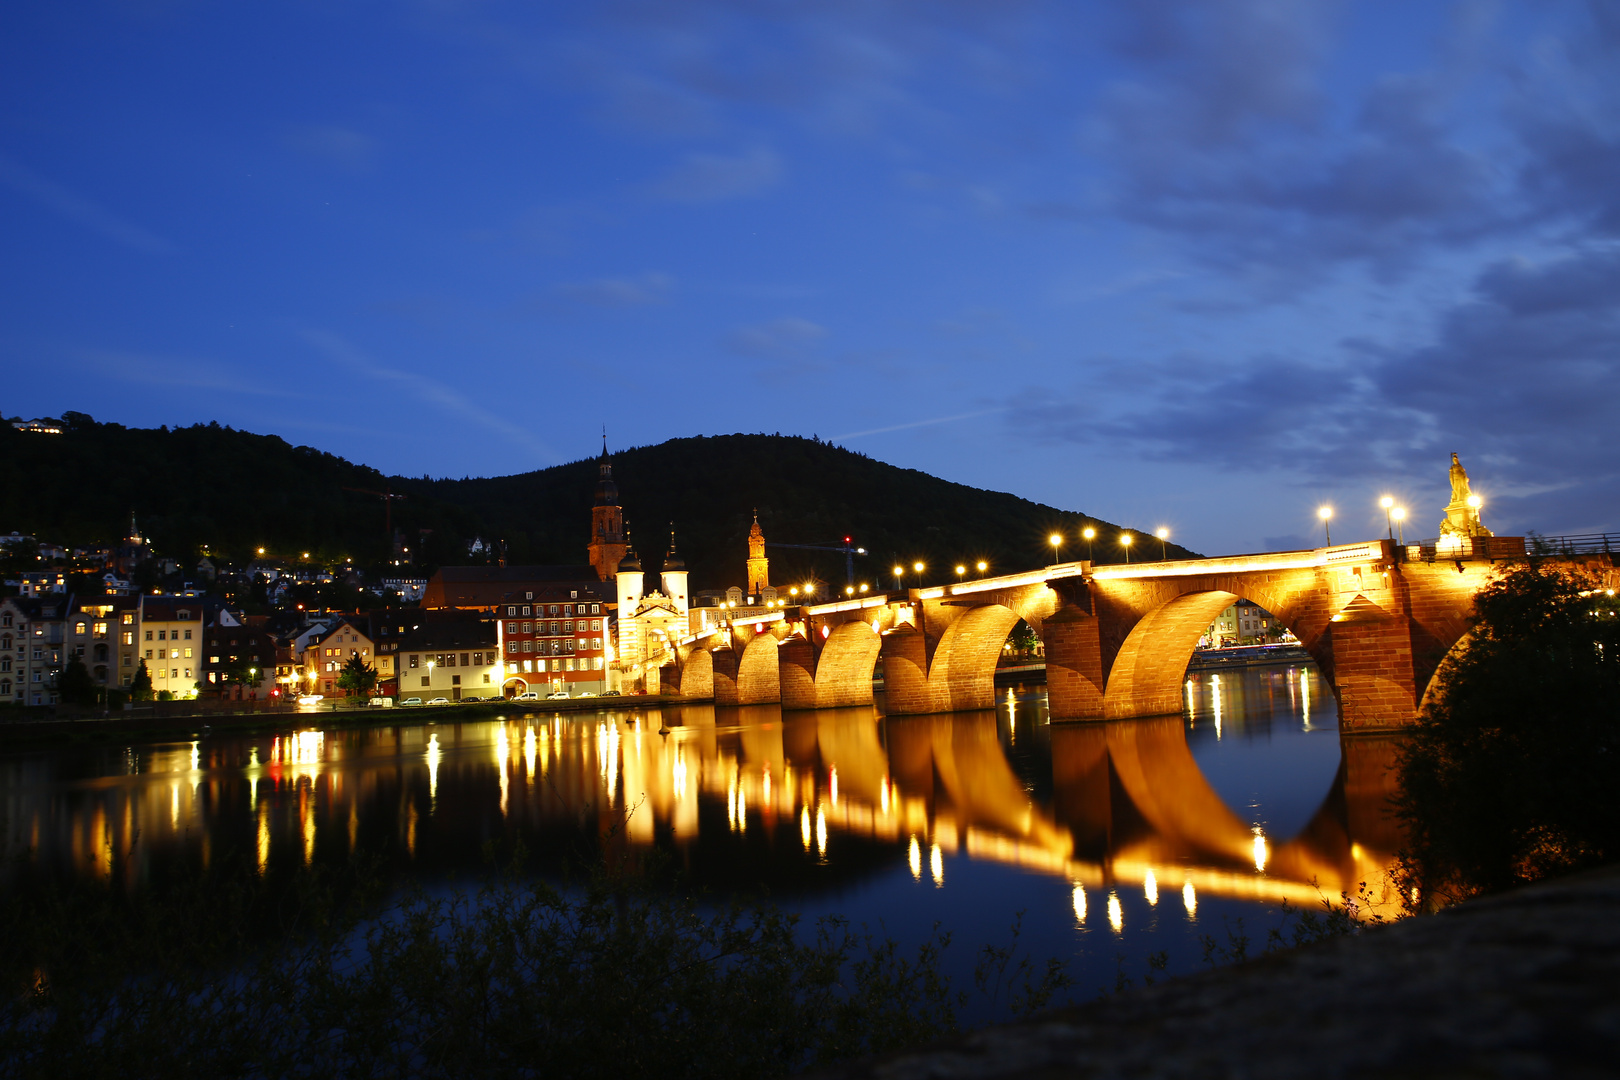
1511,772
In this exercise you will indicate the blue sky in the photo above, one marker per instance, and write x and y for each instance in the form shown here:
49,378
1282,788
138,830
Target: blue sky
1197,265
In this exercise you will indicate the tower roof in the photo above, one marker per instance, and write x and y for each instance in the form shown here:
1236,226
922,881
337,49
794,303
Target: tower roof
672,561
607,492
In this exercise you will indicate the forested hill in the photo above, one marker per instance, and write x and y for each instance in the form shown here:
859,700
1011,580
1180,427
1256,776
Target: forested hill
806,492
235,491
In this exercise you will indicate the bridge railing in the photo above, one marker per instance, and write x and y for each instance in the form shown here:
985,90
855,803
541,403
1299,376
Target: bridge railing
1603,543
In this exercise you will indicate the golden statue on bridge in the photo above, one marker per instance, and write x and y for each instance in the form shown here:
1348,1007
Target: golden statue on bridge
1462,512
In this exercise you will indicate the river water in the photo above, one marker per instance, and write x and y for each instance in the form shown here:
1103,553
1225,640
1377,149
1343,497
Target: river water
1114,841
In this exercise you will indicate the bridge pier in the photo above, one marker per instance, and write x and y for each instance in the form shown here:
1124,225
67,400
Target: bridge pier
796,658
725,661
1074,669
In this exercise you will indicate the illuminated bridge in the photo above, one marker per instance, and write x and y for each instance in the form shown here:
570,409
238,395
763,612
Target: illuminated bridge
1118,638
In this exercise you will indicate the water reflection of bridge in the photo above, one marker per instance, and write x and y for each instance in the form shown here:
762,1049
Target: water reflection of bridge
1129,803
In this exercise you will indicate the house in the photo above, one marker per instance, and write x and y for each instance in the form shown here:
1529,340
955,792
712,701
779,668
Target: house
451,657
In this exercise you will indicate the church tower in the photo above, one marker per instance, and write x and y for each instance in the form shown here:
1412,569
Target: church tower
674,579
607,546
759,567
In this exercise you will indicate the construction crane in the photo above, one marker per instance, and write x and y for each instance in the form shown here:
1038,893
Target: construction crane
847,549
387,496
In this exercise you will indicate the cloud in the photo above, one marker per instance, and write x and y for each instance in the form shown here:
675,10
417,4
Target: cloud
431,392
618,292
189,372
774,339
920,423
701,178
349,150
1522,374
80,211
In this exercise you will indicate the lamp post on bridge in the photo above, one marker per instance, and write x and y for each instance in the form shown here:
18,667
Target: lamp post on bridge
899,572
1163,534
919,568
1125,542
1389,505
1326,514
982,567
1090,534
1399,514
1056,540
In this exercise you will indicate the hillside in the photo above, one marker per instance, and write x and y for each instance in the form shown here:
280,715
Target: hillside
235,491
806,492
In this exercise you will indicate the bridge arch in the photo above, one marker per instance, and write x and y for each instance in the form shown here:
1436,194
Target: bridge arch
1148,671
697,674
759,674
964,664
846,665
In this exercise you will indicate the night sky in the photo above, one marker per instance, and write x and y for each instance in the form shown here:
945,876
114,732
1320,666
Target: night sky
1203,265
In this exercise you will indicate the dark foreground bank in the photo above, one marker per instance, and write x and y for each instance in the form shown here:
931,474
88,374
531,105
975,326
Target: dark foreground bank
1521,984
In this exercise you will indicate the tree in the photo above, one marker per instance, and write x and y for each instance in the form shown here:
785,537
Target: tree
74,686
141,688
1510,773
357,676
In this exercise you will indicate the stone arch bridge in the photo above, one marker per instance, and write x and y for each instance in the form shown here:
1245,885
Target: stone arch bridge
1117,638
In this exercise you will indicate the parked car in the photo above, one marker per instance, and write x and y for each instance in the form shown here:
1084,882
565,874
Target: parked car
527,695
611,693
311,699
382,703
411,701
556,695
588,693
439,701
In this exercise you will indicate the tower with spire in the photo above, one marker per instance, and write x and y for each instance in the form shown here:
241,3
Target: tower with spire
759,567
607,546
674,579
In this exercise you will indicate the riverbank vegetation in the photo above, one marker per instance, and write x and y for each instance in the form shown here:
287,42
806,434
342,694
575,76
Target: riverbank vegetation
1511,773
315,973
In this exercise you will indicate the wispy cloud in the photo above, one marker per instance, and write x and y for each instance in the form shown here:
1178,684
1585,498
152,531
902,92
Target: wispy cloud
920,423
429,391
774,338
192,372
718,177
618,292
79,210
348,149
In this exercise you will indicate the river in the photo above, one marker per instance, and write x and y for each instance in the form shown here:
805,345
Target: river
1115,841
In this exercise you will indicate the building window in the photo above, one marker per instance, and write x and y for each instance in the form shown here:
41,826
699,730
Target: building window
424,680
188,635
511,611
528,665
527,596
463,659
162,635
129,618
414,659
188,654
455,680
486,678
129,637
149,635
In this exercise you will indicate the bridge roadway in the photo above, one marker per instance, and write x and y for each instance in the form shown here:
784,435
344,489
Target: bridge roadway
1117,637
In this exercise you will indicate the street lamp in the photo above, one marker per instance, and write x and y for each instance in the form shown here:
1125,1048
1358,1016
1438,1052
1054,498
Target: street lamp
960,570
1090,534
1399,513
1056,540
849,590
1163,534
918,566
1388,504
899,572
982,567
863,586
1125,541
1326,514
809,588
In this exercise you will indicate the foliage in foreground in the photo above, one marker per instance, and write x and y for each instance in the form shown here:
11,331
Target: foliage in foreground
516,978
1511,774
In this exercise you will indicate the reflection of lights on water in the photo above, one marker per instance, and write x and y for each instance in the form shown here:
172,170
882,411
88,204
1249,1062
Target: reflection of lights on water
1116,913
264,836
1150,886
433,765
1215,694
883,795
253,770
804,827
936,864
914,858
1305,699
833,781
503,755
821,832
1259,849
766,796
174,804
1189,899
306,811
195,757
1189,689
1079,903
680,771
529,749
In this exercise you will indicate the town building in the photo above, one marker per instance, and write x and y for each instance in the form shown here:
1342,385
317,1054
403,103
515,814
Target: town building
649,623
241,656
328,650
488,588
33,632
1243,623
99,636
557,641
170,641
609,542
452,658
